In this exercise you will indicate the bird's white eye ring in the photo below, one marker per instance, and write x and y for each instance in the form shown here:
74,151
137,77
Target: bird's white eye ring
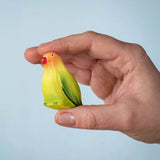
52,55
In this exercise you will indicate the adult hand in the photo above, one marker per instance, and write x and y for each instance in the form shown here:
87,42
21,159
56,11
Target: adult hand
119,73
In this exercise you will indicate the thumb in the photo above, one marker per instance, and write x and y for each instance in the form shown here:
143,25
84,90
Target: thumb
110,117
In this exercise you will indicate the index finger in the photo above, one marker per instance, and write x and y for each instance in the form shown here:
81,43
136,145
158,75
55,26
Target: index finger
99,46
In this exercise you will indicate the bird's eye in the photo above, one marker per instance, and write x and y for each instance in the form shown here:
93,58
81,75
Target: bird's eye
52,55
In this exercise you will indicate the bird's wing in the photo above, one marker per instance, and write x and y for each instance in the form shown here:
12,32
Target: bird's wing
70,88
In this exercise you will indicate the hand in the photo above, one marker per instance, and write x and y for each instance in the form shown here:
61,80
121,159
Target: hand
119,73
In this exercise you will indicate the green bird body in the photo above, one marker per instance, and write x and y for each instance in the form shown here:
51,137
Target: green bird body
59,87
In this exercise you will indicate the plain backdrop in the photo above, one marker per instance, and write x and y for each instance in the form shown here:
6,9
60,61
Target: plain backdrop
27,128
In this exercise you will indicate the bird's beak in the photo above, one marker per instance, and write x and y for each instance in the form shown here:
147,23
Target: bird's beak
44,60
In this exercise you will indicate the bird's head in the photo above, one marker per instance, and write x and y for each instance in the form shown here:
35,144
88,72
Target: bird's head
50,59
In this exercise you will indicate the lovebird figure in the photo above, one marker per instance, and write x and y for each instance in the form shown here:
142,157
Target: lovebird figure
59,87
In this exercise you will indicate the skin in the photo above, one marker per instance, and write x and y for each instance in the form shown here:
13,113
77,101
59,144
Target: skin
120,73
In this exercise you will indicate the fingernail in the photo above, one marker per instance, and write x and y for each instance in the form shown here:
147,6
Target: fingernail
66,119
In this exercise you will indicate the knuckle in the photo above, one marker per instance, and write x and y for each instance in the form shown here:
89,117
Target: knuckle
137,55
41,46
139,47
139,50
90,33
91,121
88,121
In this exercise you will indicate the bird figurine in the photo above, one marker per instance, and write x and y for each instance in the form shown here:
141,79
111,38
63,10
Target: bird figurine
59,87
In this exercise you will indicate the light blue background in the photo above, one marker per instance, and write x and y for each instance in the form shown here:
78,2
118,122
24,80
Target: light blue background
27,128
